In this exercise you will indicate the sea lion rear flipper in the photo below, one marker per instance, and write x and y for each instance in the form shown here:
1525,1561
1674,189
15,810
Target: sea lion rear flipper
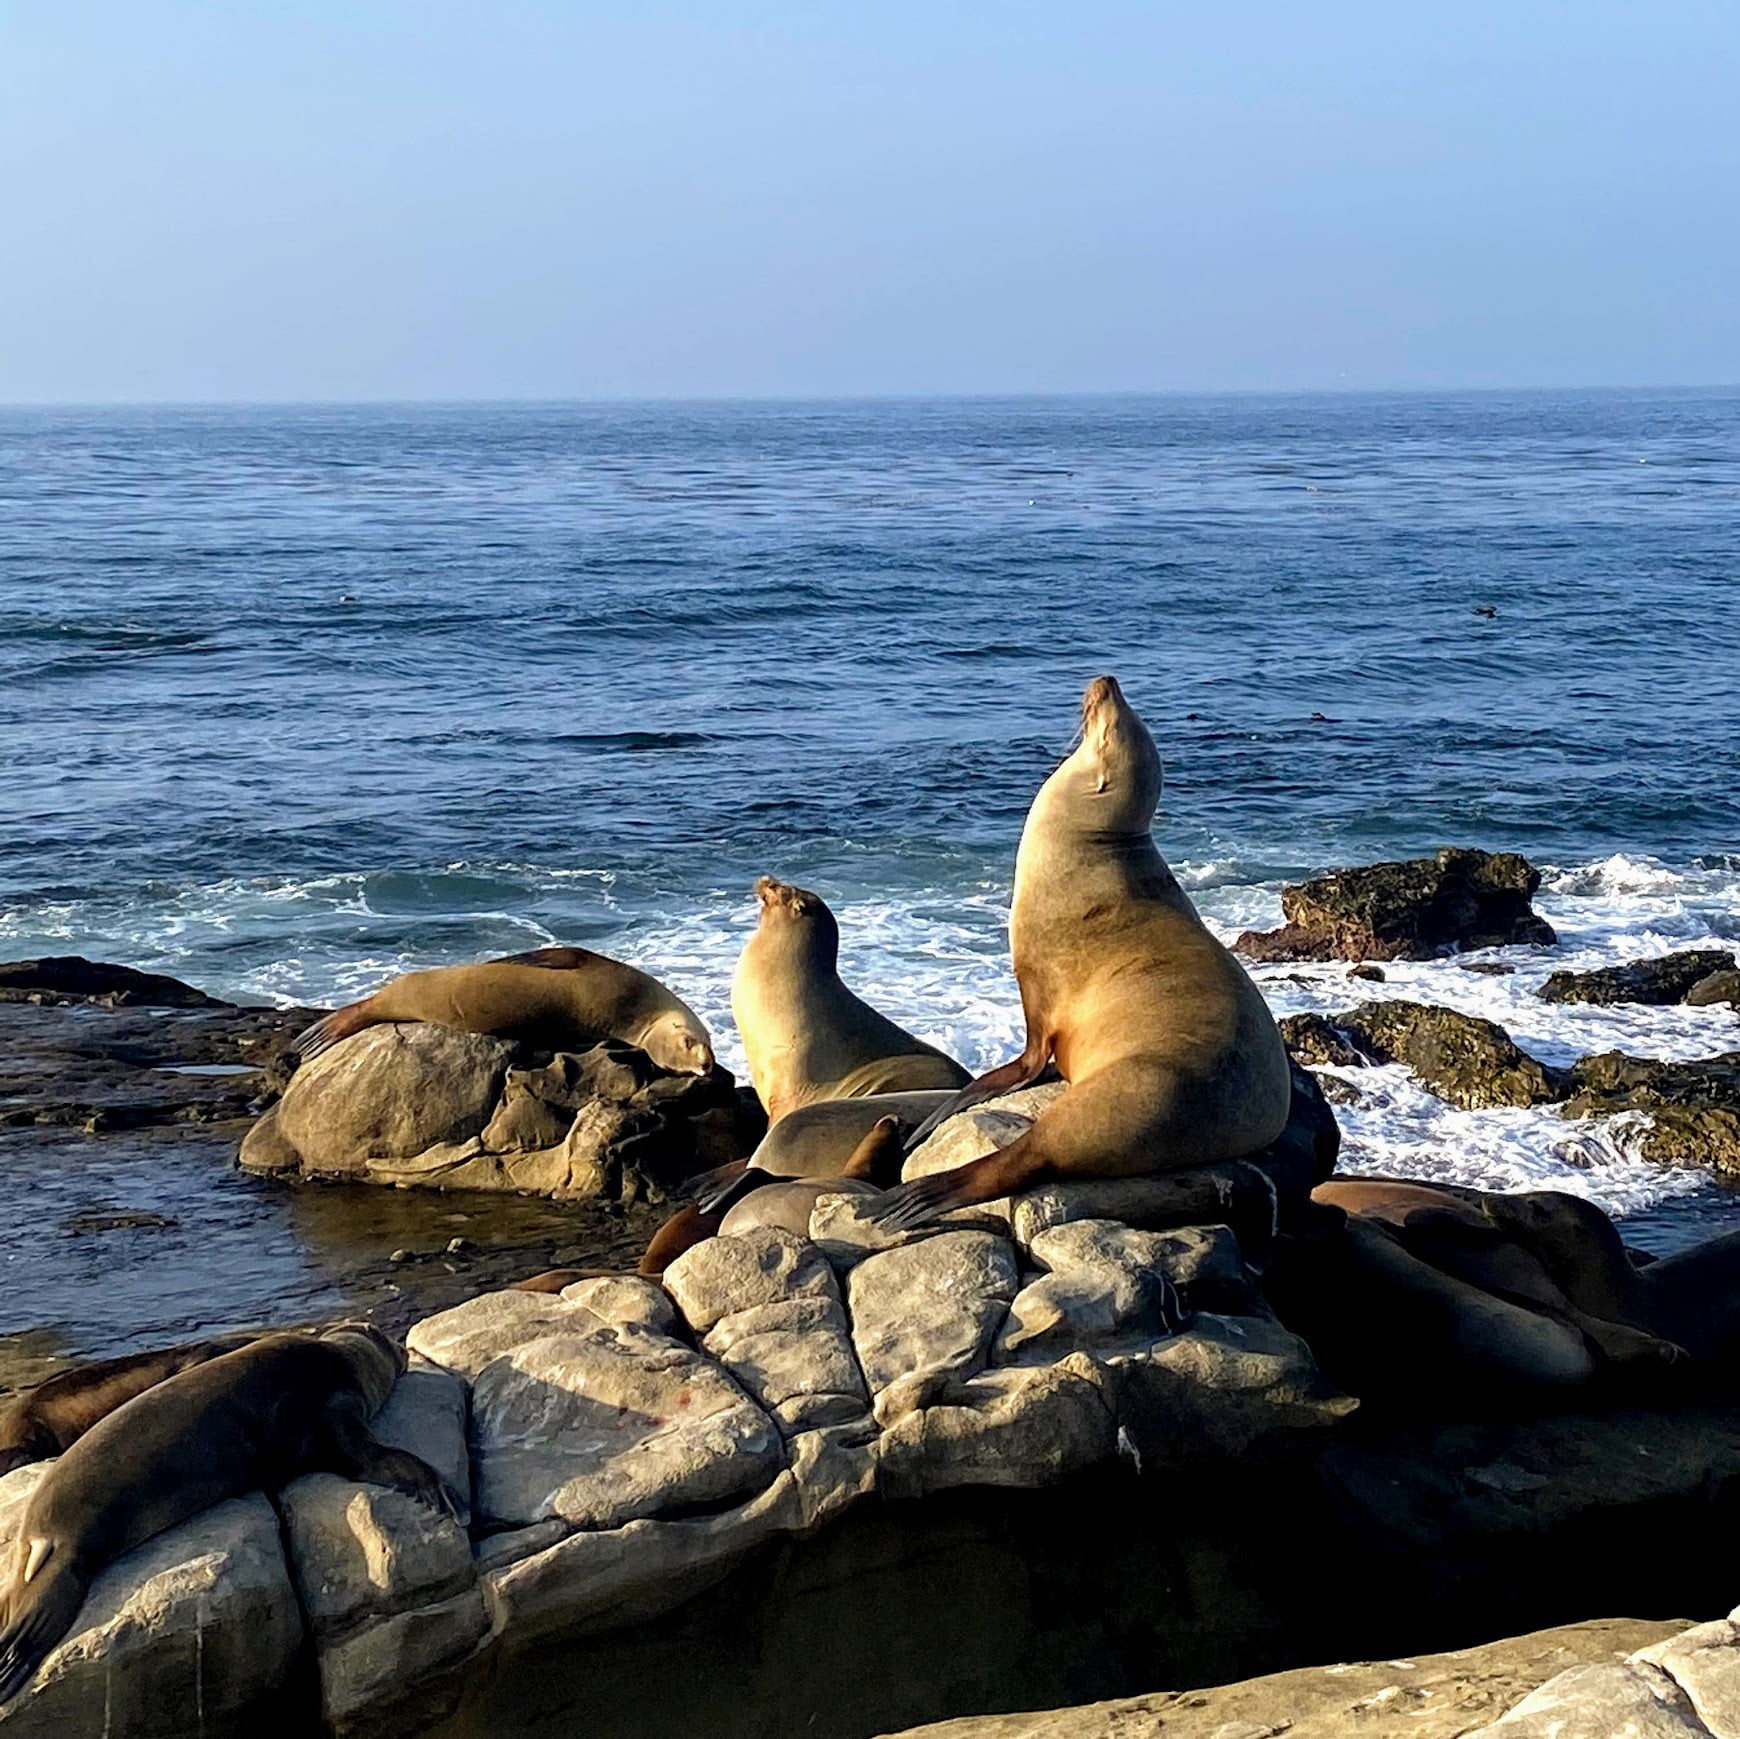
714,1191
38,1614
328,1030
354,1454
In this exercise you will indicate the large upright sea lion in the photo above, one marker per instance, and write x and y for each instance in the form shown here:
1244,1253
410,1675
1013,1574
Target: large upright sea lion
806,1035
1169,1050
54,1415
564,998
251,1420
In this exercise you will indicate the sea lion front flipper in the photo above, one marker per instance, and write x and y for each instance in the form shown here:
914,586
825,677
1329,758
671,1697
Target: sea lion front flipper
714,1191
354,1454
329,1029
1008,1077
37,1614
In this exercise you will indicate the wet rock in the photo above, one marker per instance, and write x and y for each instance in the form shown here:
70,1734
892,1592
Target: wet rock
1693,1108
1658,983
768,1265
796,1359
1373,974
1316,1039
1413,910
1718,987
1473,1063
601,1426
1105,1287
1225,1387
203,1617
932,1305
70,978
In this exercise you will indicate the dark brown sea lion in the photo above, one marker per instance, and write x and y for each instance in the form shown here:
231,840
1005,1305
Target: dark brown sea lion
564,998
251,1420
53,1416
1169,1050
806,1035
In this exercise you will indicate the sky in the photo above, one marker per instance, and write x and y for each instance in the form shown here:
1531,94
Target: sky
352,199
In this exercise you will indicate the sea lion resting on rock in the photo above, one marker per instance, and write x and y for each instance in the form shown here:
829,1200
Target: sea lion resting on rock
54,1415
1169,1050
807,1036
786,1202
561,998
251,1420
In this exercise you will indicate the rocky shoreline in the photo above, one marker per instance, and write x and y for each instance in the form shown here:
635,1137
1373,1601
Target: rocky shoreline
1056,1449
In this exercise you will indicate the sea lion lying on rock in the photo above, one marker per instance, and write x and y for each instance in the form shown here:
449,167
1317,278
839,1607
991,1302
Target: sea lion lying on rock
557,998
250,1420
806,1035
53,1416
1169,1050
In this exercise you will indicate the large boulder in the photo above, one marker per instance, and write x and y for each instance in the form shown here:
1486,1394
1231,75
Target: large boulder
1692,1109
419,1104
1658,983
203,1618
1413,910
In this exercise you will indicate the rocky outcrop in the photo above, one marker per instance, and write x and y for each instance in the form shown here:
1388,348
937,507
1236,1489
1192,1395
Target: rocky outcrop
63,980
1658,983
1414,910
1692,1109
1718,987
424,1105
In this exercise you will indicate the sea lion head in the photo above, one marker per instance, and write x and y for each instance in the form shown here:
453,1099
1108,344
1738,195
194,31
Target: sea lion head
794,919
678,1042
1112,779
23,1441
377,1361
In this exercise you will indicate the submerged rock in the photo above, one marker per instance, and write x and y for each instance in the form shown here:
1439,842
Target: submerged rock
1665,980
1412,910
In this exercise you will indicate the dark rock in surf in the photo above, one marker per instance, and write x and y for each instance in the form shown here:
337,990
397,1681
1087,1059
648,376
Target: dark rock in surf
1718,987
1413,910
1657,983
57,980
1693,1108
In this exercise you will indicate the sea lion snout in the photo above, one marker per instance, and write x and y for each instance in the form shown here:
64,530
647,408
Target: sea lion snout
1102,692
784,900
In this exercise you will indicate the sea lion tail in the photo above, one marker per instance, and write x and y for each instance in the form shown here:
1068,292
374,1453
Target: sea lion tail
36,1615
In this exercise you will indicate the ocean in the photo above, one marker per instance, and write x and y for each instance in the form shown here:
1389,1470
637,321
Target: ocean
294,698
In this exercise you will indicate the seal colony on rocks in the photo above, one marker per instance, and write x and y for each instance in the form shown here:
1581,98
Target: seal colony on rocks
807,1037
1171,1055
249,1420
559,998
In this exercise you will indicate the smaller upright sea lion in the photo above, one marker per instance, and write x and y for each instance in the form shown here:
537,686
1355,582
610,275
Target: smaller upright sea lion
251,1420
564,998
53,1416
807,1036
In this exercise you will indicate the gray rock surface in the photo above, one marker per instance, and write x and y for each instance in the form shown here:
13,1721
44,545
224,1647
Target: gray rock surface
1105,1288
428,1414
471,1335
625,1298
722,1276
1236,1195
1610,1700
794,1357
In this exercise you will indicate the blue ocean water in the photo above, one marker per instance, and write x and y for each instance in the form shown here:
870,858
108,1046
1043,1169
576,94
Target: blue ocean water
291,698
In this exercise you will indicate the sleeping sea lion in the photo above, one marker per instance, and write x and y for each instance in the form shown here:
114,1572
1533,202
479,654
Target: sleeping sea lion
806,1035
786,1202
53,1416
250,1420
562,998
1171,1055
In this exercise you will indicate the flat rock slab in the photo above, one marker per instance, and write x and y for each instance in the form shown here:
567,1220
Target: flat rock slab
1105,1286
472,1335
428,1414
796,1359
767,1265
606,1425
1439,1696
203,1618
931,1306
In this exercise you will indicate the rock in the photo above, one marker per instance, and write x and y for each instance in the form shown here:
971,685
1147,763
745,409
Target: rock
721,1276
1664,980
1373,974
70,978
203,1618
1237,1195
932,1305
1105,1287
494,1551
834,1468
401,1672
605,1425
1693,1108
1028,1101
1239,1388
796,1359
427,1414
1021,1426
1718,987
472,1335
1473,1063
1705,1663
1207,1268
843,1227
963,1138
1414,910
1316,1039
625,1298
1438,1696
1601,1702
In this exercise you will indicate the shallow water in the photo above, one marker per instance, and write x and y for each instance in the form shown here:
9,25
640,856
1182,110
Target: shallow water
295,698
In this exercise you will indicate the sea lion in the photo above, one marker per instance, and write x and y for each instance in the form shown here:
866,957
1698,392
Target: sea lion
1171,1055
563,998
807,1036
53,1416
250,1420
786,1202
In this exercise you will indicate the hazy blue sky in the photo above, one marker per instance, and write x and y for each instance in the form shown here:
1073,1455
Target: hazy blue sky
503,198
